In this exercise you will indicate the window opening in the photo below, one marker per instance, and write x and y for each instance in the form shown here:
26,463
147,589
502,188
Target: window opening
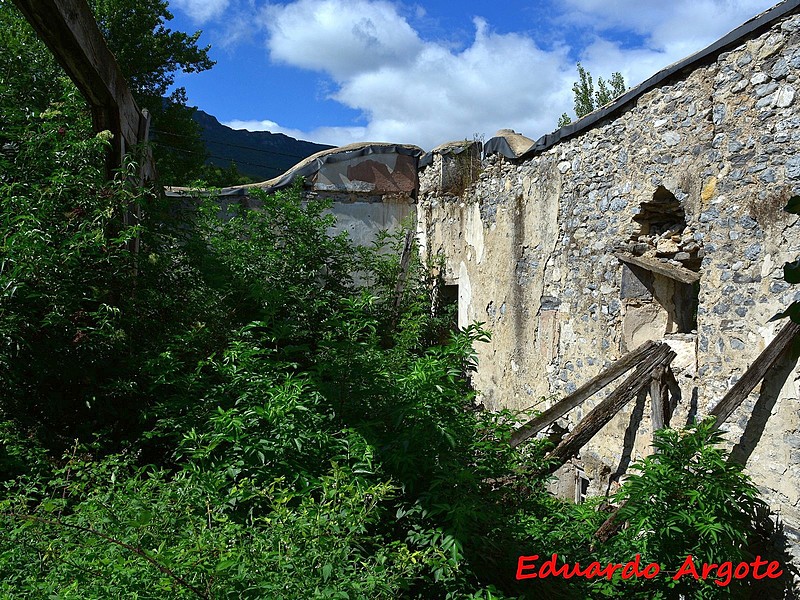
581,485
660,272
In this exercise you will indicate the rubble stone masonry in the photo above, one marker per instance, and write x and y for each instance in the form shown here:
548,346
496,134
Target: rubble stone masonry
692,174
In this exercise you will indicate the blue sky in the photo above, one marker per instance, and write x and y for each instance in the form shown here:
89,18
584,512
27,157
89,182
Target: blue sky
342,71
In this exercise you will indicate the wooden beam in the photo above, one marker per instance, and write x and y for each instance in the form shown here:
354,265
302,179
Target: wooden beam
405,261
671,393
70,31
601,414
760,367
610,526
595,384
681,274
656,404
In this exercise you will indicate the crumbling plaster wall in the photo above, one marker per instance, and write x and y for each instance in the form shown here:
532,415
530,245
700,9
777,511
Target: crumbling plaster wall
531,246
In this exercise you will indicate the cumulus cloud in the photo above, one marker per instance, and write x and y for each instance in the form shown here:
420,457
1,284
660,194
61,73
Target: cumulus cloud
342,38
670,31
264,125
410,90
427,91
201,11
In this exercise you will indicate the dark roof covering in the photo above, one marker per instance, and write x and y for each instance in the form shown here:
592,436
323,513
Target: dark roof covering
309,166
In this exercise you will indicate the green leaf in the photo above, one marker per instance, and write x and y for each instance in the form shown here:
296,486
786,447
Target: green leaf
225,565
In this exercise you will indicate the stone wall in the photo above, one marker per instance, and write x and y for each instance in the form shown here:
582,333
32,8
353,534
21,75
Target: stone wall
692,173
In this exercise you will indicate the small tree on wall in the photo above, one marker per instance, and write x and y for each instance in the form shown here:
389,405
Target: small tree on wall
587,99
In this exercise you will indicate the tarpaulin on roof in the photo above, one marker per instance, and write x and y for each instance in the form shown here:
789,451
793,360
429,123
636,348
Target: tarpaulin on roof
508,143
368,167
374,167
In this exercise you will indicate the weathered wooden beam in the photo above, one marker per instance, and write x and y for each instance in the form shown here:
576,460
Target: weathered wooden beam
405,262
681,274
760,367
595,384
656,404
70,31
601,414
610,526
672,393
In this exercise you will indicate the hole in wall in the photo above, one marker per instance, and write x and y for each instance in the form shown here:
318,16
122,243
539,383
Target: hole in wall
657,305
581,485
447,304
660,231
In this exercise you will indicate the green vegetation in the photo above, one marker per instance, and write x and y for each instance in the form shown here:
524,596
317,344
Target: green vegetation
587,99
230,414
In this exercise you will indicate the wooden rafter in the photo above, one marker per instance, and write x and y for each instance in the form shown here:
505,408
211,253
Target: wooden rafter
601,414
70,31
595,384
757,371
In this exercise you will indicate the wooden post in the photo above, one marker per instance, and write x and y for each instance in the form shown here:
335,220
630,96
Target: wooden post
656,405
610,526
760,367
672,392
595,384
601,414
405,261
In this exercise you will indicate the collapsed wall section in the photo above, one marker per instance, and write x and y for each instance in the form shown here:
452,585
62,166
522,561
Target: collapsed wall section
662,221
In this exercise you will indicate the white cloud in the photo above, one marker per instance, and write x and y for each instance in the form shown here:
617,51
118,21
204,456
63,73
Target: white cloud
418,91
335,136
339,37
410,89
201,11
264,125
671,30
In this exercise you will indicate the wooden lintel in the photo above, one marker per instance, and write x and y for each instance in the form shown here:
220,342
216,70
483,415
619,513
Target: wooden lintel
675,272
760,367
595,384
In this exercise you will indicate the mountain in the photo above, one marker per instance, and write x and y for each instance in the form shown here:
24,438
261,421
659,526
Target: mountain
259,154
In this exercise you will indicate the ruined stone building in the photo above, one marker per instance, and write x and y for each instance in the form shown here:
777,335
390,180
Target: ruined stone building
658,217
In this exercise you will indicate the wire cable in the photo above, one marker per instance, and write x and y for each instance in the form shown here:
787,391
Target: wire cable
274,152
228,158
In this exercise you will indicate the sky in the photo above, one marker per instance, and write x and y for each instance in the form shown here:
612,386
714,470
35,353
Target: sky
425,73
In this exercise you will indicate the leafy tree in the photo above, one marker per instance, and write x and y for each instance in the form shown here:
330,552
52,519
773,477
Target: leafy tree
29,75
587,99
149,55
606,94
